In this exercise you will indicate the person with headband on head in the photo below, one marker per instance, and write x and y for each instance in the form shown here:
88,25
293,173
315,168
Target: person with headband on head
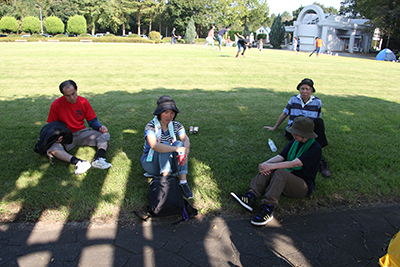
307,105
292,172
161,148
72,110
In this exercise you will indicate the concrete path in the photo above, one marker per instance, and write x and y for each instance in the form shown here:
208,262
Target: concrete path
330,238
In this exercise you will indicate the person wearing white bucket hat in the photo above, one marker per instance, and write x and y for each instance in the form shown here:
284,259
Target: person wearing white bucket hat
292,172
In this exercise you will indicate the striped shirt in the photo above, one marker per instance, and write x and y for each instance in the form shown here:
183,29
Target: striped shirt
150,129
296,108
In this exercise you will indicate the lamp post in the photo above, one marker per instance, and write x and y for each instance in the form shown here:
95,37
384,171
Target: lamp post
41,21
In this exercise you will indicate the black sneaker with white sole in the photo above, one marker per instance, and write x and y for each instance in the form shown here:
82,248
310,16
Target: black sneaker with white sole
265,215
246,200
186,192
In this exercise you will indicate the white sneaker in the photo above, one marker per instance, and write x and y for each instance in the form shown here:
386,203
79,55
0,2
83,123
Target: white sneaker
82,167
101,163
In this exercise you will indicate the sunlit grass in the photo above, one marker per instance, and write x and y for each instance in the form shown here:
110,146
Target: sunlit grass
229,99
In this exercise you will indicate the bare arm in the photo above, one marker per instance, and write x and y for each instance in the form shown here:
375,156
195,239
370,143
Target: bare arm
266,167
281,118
163,148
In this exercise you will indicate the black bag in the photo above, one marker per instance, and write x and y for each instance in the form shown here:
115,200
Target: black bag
50,134
166,199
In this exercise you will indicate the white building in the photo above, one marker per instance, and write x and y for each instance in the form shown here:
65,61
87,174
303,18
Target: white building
264,30
337,32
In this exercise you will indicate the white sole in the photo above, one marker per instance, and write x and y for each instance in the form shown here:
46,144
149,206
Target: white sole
241,202
262,223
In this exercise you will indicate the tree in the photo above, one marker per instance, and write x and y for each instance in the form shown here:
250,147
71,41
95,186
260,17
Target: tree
54,25
277,33
62,9
384,14
8,24
90,9
246,31
31,25
190,33
77,25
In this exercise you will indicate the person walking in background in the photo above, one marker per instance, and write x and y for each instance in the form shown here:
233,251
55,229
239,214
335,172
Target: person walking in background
307,105
292,172
294,47
221,36
210,38
318,45
72,110
173,36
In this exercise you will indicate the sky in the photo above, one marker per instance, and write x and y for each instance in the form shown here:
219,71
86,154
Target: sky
280,6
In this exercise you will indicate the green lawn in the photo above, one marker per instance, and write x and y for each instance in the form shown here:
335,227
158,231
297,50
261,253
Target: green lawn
229,99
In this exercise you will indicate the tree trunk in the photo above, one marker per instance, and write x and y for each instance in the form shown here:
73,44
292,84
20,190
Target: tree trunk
159,24
138,26
123,29
151,18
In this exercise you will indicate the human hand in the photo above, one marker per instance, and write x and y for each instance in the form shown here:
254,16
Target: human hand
103,129
265,168
59,140
270,128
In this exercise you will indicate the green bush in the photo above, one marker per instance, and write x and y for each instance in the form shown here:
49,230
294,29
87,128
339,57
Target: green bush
54,25
8,24
261,36
155,36
31,24
166,40
77,25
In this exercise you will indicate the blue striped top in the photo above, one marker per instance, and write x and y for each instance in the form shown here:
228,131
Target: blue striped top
296,108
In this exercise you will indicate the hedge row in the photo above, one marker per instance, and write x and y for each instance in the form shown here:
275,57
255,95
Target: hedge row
64,38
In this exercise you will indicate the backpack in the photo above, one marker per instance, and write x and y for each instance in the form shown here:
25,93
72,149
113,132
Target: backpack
166,199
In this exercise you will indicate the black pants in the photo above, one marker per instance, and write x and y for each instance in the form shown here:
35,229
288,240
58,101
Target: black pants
319,129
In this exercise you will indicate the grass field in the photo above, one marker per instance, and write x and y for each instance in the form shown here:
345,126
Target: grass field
229,99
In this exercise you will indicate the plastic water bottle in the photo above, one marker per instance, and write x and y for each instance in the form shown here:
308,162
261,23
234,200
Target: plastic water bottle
272,145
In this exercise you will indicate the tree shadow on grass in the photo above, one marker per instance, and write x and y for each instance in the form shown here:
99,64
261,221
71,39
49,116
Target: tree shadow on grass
224,155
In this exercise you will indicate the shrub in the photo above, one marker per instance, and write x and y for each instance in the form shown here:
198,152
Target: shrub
31,24
77,25
8,24
261,36
155,36
190,33
54,25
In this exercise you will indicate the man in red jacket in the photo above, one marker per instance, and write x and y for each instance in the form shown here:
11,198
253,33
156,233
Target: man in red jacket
73,110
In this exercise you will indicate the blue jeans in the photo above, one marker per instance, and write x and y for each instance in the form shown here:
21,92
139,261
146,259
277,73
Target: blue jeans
165,162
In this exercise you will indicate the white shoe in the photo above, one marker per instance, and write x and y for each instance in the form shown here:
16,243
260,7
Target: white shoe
101,163
82,167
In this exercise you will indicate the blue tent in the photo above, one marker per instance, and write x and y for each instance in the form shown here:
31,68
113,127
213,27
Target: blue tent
386,54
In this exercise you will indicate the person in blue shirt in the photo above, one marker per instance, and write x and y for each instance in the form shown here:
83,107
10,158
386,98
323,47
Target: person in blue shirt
221,35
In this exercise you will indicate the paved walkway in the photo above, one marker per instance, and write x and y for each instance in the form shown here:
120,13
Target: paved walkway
329,238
